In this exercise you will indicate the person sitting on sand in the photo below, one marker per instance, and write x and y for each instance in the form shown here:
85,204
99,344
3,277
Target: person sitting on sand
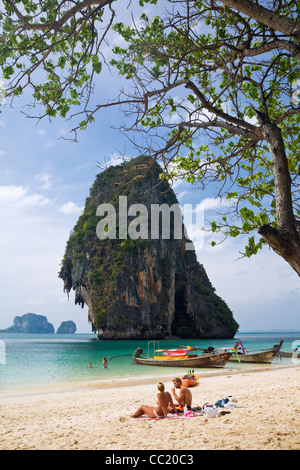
184,397
164,401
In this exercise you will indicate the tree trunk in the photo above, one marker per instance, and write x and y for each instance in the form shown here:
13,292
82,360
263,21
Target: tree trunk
284,244
285,239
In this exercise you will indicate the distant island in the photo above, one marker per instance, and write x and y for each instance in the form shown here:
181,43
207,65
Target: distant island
38,324
66,328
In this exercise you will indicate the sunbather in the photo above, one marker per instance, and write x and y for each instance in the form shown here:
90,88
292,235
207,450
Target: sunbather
184,397
164,401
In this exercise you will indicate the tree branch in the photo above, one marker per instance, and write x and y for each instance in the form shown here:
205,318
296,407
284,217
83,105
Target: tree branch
220,124
290,112
57,24
272,19
218,112
282,44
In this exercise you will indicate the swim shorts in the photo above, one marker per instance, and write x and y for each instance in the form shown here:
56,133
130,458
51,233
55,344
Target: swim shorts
181,408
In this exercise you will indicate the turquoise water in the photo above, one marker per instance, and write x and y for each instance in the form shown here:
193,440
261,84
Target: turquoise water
38,360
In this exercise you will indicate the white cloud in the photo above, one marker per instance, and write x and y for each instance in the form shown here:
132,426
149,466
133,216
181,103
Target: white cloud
17,196
252,287
34,200
32,244
211,203
70,208
182,194
175,183
9,194
116,159
195,215
44,179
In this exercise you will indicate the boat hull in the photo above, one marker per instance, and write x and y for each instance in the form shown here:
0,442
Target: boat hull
209,360
189,382
295,354
289,354
262,358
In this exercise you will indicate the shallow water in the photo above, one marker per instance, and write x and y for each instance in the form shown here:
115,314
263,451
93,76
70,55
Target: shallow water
39,360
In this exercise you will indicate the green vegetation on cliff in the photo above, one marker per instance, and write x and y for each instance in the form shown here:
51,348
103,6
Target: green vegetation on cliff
139,288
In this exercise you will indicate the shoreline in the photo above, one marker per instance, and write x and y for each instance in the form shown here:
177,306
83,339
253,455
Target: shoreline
92,384
93,417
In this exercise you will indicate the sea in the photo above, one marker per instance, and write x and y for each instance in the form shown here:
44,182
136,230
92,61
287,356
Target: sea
33,360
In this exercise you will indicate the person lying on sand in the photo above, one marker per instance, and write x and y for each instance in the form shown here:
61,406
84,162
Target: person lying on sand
164,401
183,398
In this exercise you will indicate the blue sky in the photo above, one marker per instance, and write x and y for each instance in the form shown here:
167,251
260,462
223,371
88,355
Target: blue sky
43,186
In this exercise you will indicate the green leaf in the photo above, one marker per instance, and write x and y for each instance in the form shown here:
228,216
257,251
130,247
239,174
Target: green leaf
97,67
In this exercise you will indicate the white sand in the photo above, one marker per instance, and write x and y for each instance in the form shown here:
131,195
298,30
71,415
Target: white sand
91,417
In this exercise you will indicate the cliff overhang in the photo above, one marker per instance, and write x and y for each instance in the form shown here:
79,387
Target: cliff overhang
139,287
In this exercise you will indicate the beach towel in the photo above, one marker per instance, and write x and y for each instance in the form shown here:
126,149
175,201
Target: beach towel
189,414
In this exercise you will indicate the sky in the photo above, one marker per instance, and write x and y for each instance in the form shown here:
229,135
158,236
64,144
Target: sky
44,182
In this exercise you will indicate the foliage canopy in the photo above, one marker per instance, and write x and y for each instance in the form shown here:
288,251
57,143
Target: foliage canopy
215,95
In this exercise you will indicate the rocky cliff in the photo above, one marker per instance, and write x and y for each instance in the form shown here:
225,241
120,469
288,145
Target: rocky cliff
139,288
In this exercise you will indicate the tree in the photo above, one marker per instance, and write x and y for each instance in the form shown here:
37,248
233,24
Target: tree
53,48
208,70
215,95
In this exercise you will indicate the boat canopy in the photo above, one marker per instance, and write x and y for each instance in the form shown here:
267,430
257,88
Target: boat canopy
179,352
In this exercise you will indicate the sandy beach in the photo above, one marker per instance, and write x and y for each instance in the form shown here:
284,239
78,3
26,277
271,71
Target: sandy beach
92,416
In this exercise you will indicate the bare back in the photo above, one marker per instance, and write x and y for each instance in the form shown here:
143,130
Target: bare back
164,400
185,396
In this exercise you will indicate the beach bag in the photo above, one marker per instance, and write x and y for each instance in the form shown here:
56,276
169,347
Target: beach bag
210,411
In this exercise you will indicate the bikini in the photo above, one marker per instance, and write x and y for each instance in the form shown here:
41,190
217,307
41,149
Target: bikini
157,416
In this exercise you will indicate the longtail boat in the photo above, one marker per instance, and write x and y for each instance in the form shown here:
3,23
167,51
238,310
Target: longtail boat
184,357
261,356
295,353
